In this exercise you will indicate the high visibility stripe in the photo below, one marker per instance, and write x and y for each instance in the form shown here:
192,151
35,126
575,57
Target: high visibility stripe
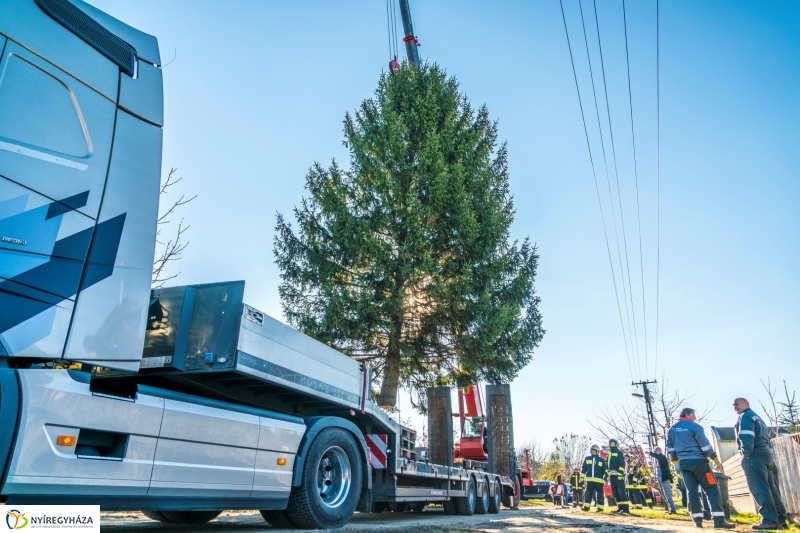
747,432
706,448
717,513
595,480
697,515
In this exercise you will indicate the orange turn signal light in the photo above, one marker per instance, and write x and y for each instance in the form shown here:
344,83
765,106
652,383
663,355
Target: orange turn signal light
66,440
282,461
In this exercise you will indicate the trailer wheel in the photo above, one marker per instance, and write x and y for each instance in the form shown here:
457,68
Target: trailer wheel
330,484
190,517
482,503
466,505
279,519
417,507
450,507
494,501
512,500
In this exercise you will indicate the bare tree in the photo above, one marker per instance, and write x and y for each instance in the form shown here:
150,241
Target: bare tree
629,425
171,249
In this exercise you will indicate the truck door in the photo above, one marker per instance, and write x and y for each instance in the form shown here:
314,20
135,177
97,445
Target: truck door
55,139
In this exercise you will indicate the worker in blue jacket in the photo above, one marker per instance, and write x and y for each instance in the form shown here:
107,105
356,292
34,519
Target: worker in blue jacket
616,476
594,471
758,463
687,444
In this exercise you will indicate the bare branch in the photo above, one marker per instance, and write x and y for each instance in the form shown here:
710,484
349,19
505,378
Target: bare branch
171,250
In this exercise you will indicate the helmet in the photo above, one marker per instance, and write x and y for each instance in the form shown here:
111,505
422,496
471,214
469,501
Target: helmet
595,448
613,443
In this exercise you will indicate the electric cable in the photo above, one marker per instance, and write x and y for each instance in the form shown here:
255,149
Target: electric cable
605,163
619,193
658,176
636,178
594,175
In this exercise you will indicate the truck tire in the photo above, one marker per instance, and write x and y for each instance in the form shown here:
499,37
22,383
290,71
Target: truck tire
155,515
494,501
190,517
512,500
417,507
466,505
330,485
279,519
450,507
482,503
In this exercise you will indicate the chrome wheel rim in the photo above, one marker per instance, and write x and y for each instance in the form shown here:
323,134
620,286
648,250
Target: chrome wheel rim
333,477
471,497
485,498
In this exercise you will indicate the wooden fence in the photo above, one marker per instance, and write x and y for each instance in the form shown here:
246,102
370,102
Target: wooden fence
787,463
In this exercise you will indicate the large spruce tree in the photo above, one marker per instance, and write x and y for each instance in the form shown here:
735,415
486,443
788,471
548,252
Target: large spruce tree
404,259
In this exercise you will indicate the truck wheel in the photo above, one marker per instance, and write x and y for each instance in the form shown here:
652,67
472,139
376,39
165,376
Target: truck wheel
417,507
450,507
190,517
494,501
155,515
482,503
330,484
379,507
279,519
517,492
466,505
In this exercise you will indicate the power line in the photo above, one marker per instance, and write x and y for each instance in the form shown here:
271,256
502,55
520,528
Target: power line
596,188
605,164
658,174
619,193
636,177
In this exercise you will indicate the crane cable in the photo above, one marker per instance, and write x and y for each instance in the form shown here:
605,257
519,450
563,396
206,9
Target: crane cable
636,178
594,175
391,26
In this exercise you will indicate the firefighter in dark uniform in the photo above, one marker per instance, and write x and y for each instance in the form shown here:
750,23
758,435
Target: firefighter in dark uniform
616,476
631,485
578,483
594,472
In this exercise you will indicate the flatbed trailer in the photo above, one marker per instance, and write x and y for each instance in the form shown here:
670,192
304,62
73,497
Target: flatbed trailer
180,402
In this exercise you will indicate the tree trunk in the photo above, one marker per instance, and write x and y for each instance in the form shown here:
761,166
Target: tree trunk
391,380
391,370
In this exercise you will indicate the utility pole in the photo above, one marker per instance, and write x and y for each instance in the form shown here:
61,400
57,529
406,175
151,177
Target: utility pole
409,38
652,436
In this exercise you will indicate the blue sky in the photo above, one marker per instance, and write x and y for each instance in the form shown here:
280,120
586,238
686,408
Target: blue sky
258,90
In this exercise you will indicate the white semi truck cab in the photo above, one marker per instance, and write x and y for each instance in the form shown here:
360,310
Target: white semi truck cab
188,402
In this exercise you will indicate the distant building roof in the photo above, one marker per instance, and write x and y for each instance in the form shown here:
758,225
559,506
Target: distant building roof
729,434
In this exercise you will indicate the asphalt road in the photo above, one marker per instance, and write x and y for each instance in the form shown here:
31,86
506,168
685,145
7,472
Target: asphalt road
538,519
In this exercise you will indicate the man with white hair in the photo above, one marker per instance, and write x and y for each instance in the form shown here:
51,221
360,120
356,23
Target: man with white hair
664,477
758,463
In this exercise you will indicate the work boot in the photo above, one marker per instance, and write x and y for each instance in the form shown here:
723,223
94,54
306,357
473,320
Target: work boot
721,523
764,526
698,522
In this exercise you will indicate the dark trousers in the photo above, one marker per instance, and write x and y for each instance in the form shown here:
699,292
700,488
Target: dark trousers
594,491
682,490
696,473
577,497
759,469
618,491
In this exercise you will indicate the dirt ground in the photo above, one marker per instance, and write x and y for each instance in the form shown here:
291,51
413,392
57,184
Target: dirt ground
534,519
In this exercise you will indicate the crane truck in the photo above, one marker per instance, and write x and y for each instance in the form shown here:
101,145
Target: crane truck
184,401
